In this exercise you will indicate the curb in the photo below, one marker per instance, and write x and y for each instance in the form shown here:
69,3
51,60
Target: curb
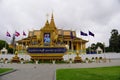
8,72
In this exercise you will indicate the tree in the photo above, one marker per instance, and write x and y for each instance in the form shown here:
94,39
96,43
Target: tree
101,45
119,42
107,49
94,46
10,50
93,49
114,41
3,44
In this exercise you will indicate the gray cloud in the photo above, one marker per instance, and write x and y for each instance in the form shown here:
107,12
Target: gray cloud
98,16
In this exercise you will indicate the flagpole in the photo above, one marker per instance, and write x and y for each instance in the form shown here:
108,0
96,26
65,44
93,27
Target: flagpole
13,43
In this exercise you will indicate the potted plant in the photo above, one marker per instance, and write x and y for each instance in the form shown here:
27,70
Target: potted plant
22,60
70,60
93,59
86,60
6,60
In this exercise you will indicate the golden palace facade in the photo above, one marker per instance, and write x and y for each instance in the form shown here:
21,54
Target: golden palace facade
51,43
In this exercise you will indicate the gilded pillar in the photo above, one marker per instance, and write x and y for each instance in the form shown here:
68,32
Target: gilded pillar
77,49
77,46
25,43
72,45
81,47
68,44
84,49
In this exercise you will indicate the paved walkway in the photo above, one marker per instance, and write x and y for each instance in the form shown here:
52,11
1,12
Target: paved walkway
45,71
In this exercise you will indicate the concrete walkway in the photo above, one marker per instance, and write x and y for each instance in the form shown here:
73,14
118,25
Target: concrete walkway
45,71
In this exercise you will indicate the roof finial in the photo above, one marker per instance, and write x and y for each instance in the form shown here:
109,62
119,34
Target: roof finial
47,22
52,24
52,17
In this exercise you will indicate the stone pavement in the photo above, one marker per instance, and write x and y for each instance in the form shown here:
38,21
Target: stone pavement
45,71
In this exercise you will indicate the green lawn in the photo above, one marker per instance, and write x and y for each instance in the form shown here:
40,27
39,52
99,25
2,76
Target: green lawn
103,73
2,70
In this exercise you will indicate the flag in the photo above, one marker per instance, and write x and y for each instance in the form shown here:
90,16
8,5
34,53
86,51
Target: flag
8,34
24,33
71,35
83,33
17,33
91,34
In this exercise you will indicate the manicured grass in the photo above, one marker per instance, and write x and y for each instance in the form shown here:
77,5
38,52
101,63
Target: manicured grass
2,70
103,73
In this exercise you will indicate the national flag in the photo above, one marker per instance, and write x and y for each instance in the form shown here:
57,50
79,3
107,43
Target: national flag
24,34
71,35
91,34
17,33
8,34
83,33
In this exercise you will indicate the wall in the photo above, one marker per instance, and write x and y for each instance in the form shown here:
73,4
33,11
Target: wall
66,57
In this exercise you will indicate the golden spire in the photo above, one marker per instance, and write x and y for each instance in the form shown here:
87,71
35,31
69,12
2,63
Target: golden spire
52,24
52,18
47,23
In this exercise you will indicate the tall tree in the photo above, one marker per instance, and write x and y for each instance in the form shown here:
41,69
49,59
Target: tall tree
119,42
114,40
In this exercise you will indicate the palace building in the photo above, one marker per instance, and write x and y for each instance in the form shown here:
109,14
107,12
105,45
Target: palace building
51,43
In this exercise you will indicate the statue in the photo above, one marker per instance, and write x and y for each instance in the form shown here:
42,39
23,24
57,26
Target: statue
77,58
15,59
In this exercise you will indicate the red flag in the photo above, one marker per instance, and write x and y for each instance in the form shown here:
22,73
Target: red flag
8,34
17,33
24,33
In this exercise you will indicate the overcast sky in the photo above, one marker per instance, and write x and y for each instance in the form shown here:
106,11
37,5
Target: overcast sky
98,16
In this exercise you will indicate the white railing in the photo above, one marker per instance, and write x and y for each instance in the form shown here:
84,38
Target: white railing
10,56
84,56
67,56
